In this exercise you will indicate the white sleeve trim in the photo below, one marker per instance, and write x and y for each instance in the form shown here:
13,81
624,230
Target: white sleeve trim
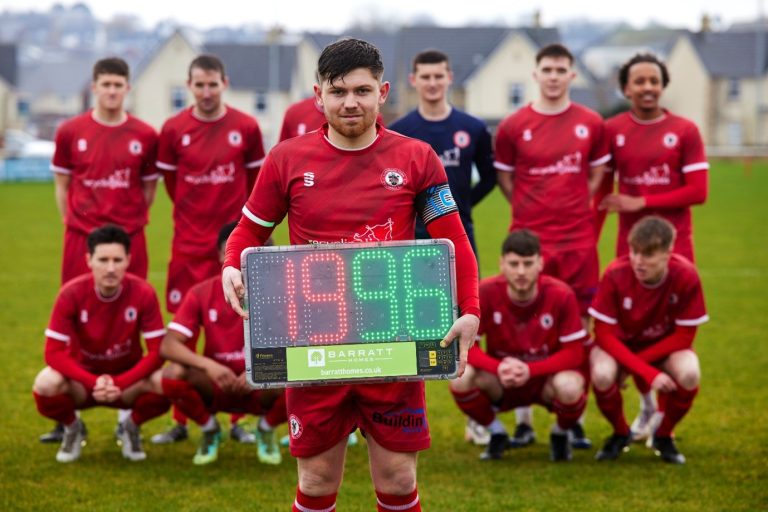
699,166
60,170
694,322
503,167
151,177
573,337
603,318
600,161
57,335
164,166
180,328
253,165
153,334
257,220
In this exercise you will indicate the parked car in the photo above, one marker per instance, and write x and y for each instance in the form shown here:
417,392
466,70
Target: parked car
20,144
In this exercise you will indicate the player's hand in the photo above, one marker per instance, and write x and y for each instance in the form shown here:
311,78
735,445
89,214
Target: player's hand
105,391
521,373
464,328
622,203
221,375
505,372
234,290
664,383
241,386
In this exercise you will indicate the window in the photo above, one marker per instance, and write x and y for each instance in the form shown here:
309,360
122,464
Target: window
734,89
178,98
260,104
516,95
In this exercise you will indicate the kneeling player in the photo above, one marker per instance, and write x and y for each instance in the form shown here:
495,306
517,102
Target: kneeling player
201,385
534,346
646,311
93,350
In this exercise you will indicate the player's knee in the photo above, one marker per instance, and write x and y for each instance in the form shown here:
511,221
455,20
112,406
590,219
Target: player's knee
174,371
569,386
685,369
464,383
603,376
398,479
49,382
318,483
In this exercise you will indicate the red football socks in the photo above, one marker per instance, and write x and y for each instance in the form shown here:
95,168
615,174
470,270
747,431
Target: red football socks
148,406
475,404
60,408
568,414
678,404
611,405
186,398
304,503
391,502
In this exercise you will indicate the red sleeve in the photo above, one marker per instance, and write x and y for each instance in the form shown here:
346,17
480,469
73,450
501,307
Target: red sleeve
188,318
693,191
604,305
482,361
58,357
600,152
569,357
505,151
62,158
246,234
167,159
151,324
606,338
680,339
449,226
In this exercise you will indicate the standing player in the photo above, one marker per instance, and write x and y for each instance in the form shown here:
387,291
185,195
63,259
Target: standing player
93,351
104,172
201,384
550,157
210,155
661,168
534,347
332,183
458,138
646,311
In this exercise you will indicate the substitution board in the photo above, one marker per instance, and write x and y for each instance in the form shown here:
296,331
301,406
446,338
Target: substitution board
339,313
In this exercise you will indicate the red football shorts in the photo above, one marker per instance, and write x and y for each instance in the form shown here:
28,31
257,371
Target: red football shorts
183,273
394,414
231,402
579,268
76,247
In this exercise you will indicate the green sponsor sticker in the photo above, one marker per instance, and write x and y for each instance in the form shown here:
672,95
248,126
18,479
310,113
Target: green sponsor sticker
359,361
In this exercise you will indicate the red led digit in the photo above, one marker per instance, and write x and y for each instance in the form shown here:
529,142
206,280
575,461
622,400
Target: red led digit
290,293
338,297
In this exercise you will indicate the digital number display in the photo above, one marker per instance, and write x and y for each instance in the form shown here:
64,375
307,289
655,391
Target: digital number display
347,295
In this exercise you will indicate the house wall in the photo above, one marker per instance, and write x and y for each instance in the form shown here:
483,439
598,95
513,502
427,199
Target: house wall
689,89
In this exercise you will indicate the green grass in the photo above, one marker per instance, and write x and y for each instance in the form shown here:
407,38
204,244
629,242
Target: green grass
724,436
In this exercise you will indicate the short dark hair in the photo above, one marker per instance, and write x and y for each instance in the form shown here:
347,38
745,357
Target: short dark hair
650,234
431,56
224,233
554,50
207,62
522,242
340,58
637,59
111,66
108,234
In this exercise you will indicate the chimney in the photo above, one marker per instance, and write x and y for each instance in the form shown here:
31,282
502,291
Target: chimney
706,23
537,18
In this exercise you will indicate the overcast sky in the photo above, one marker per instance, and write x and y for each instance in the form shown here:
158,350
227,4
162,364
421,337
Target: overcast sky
296,15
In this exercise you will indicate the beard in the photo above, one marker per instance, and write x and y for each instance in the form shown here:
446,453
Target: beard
352,130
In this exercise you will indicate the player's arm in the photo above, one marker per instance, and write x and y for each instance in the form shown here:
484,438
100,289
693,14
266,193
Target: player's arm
505,180
680,339
60,189
693,191
174,348
58,357
148,189
153,330
597,175
484,161
569,357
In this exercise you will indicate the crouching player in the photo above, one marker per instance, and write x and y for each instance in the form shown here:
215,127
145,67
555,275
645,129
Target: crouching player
93,350
200,385
646,311
534,348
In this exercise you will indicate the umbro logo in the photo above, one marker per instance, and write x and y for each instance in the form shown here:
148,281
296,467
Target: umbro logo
309,179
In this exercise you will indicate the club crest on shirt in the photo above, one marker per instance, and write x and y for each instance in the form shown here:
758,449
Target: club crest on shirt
461,139
84,316
235,138
174,296
546,321
186,139
527,135
295,425
134,147
497,317
393,179
581,131
627,303
213,315
620,140
82,145
130,314
670,140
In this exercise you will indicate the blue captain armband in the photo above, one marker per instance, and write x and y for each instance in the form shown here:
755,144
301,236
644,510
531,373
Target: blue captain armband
435,202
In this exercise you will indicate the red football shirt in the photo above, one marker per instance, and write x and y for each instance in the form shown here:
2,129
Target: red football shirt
103,334
654,157
211,160
551,156
204,305
107,164
529,331
643,315
300,118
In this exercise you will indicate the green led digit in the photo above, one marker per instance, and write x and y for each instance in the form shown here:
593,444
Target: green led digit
366,267
441,312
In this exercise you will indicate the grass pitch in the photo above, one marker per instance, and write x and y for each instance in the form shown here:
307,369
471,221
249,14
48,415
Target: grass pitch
724,437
